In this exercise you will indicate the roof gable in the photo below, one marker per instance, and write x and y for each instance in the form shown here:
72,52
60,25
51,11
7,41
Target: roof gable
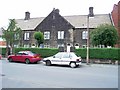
54,19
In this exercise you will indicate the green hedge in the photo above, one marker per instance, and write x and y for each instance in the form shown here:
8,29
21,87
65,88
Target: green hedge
100,53
3,51
95,53
45,52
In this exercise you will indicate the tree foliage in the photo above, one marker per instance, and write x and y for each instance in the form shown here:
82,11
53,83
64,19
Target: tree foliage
104,35
39,37
11,34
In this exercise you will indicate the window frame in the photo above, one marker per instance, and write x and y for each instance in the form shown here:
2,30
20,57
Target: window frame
47,35
85,35
26,36
61,34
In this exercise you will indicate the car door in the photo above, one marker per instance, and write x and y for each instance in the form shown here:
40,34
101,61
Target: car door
57,58
65,59
17,57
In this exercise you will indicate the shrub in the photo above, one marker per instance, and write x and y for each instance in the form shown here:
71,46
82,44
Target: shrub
95,53
100,53
44,52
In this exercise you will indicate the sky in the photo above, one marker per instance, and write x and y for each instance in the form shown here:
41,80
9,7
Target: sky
15,9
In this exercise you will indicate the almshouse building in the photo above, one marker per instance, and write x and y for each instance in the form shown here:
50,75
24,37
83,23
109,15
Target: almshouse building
59,30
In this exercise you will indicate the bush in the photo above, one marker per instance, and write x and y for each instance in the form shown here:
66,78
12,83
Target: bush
95,53
44,52
3,51
100,53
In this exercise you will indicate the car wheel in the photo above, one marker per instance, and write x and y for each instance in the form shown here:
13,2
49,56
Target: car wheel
72,65
48,63
10,59
27,61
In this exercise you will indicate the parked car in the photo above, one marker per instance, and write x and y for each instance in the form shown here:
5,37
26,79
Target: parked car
25,56
0,56
63,58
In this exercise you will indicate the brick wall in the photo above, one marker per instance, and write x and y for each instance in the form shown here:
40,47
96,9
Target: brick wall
116,19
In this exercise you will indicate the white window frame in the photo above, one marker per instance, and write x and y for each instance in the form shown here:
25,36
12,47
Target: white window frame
60,34
26,36
60,45
26,45
46,46
85,35
47,35
16,36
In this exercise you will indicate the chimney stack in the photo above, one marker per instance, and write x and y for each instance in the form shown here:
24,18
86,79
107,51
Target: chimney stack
27,15
56,10
91,14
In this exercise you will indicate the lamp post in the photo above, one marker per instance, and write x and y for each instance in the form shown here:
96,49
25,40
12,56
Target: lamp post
88,35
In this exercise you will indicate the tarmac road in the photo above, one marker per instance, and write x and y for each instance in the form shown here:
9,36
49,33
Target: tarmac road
20,75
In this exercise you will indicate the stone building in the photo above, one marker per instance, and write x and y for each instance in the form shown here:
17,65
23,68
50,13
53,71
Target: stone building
59,30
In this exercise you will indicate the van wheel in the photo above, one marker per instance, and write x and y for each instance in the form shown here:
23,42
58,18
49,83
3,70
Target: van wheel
73,65
27,61
48,63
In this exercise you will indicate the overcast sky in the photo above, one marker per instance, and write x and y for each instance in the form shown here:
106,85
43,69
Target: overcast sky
15,9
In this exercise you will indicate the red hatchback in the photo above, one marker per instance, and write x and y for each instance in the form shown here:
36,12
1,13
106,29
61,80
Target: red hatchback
25,56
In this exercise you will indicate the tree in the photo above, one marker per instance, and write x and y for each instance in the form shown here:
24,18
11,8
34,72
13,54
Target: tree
39,37
11,34
104,35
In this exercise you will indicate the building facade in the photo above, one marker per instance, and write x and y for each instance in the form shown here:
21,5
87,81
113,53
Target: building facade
59,30
116,19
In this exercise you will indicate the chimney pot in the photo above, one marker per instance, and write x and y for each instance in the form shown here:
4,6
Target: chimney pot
91,14
27,15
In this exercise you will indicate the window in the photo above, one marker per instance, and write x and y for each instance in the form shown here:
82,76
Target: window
66,55
16,36
16,46
26,36
84,35
60,34
47,35
46,46
60,45
53,17
26,45
58,55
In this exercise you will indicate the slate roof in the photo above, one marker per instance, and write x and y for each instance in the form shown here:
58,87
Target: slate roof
30,24
78,21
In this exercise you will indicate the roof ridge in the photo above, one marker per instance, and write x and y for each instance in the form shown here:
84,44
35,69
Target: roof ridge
85,15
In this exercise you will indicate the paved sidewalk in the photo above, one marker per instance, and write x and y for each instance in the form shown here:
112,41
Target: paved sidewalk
100,65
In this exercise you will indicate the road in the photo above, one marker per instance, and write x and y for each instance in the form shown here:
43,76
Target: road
20,75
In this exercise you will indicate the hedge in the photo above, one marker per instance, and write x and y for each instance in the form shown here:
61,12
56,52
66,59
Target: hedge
100,53
95,53
45,52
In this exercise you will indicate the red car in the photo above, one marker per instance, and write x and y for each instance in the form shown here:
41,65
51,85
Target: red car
25,56
0,56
